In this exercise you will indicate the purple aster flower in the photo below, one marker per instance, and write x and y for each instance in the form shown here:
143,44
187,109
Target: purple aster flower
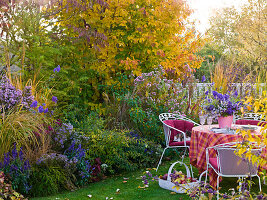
210,190
236,94
54,99
46,110
34,104
57,69
203,78
14,152
41,109
207,92
215,93
226,97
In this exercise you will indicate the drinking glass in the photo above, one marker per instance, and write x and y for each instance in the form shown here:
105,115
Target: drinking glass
209,121
202,119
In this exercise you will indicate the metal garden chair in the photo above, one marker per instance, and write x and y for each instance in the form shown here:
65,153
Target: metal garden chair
175,127
250,118
228,164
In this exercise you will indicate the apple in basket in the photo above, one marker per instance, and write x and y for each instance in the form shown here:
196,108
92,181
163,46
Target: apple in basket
177,177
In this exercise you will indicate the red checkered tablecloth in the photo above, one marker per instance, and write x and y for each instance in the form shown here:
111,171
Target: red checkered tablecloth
200,140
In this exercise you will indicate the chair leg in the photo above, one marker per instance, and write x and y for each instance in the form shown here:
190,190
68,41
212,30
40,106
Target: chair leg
183,155
218,182
191,170
200,176
259,182
206,174
189,162
240,184
161,158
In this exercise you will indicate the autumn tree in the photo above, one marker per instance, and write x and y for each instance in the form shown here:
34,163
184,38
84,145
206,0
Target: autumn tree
128,37
242,34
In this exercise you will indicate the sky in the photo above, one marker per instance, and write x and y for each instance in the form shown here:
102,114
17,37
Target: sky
205,8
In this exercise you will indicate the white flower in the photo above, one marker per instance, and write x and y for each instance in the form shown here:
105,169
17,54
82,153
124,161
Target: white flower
137,6
89,195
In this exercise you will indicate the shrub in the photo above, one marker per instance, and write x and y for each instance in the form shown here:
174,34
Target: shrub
6,191
55,172
155,93
17,169
83,167
118,150
46,181
61,171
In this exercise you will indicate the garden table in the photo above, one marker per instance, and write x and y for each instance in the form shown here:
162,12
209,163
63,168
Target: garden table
201,138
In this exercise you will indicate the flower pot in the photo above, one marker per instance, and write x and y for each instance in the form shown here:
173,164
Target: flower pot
225,122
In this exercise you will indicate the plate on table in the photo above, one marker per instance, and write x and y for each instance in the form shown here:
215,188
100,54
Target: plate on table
249,127
223,131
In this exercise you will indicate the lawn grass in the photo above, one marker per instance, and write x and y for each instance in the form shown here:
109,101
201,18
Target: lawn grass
129,190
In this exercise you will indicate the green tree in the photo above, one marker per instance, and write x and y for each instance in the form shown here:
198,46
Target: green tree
242,34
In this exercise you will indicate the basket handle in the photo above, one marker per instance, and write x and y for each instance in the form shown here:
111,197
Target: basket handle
188,174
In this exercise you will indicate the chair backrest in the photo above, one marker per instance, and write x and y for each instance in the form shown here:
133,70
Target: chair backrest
231,164
174,124
168,116
252,116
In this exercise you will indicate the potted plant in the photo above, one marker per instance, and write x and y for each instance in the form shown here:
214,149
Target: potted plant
222,106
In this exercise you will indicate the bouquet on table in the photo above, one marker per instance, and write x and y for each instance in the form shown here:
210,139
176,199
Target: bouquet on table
222,106
217,104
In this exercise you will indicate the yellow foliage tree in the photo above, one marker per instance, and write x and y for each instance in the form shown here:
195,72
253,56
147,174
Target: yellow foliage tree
260,106
129,36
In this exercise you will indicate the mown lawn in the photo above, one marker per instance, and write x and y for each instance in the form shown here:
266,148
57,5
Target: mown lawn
129,190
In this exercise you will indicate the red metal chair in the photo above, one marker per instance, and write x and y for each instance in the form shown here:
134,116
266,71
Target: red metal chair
175,127
251,119
228,164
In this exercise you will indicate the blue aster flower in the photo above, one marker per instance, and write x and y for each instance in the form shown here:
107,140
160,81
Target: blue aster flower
54,99
46,110
57,69
34,104
226,97
40,109
215,93
235,93
203,78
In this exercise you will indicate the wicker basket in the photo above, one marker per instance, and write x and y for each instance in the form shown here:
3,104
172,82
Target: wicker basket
167,184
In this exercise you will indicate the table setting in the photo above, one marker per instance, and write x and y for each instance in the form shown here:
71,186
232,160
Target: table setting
220,109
